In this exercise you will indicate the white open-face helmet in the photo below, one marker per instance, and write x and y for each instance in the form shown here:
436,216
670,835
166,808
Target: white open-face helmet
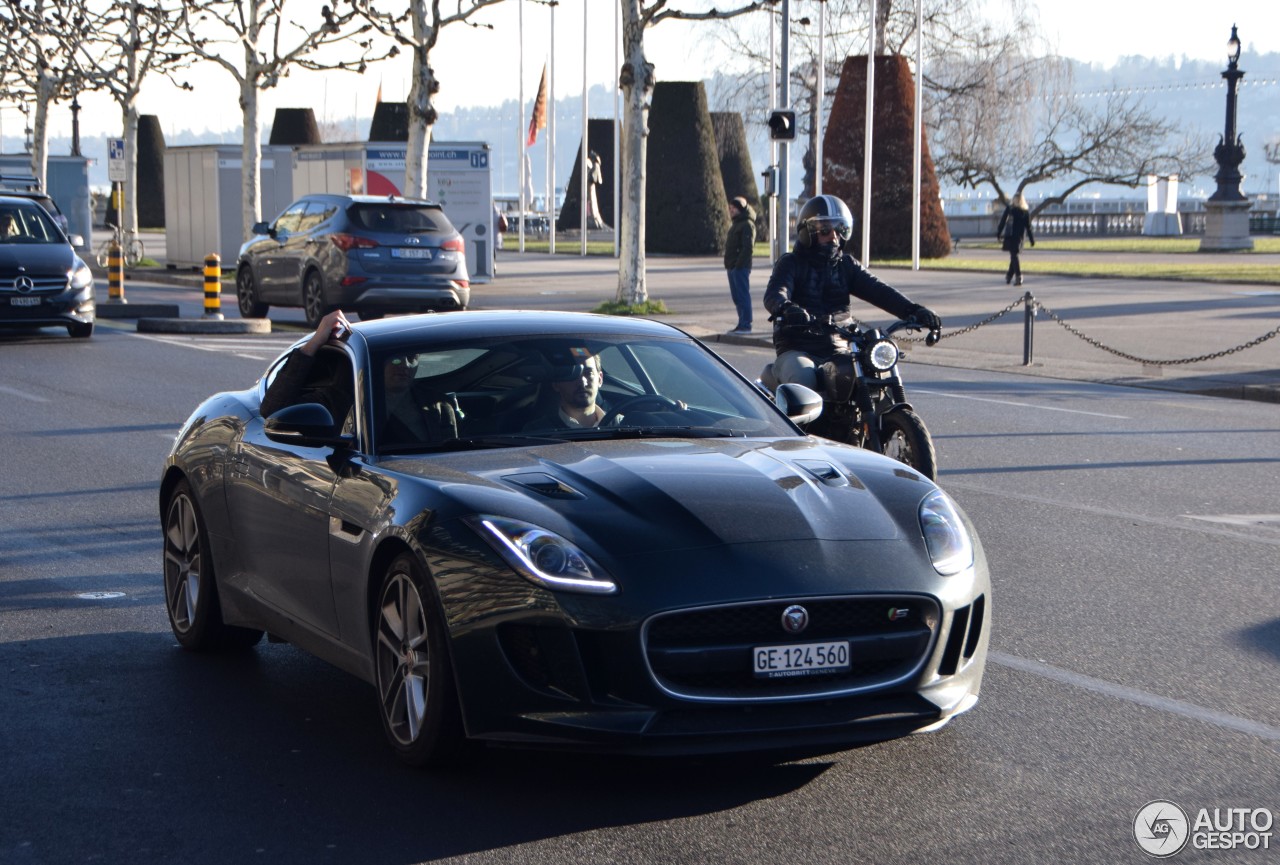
822,212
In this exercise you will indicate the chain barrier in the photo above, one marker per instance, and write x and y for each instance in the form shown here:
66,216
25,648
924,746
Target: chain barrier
1149,361
1037,306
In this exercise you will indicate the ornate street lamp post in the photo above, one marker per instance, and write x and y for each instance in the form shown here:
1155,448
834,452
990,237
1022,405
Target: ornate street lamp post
1227,210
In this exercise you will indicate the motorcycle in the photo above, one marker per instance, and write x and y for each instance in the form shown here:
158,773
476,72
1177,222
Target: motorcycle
863,400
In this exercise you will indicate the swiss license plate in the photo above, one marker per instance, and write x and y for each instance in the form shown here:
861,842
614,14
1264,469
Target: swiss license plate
24,301
803,659
410,252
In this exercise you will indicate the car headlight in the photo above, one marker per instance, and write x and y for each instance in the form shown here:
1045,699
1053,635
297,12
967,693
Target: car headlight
81,276
882,355
950,547
542,557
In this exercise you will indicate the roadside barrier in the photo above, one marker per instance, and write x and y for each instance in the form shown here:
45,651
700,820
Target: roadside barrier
1031,307
115,273
213,286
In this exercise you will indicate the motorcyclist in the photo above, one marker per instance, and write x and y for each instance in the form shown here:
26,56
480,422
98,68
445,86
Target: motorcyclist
810,288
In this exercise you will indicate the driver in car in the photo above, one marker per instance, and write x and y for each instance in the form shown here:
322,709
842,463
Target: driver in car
810,288
577,385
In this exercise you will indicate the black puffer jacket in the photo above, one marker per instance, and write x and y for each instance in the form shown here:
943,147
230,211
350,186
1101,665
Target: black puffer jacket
823,285
1019,224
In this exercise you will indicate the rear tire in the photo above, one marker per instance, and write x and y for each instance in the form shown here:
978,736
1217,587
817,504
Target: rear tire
190,590
903,437
417,697
313,305
247,294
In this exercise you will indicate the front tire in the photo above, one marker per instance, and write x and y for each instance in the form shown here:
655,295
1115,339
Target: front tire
903,437
417,698
313,305
247,294
80,330
190,590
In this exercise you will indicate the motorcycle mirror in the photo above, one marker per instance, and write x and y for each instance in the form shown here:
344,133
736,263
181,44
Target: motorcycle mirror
801,404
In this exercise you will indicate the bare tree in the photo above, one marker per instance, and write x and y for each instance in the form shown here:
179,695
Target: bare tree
38,62
127,44
1013,120
269,44
637,79
425,22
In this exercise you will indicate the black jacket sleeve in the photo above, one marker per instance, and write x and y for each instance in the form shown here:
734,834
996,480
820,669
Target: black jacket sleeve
865,286
286,388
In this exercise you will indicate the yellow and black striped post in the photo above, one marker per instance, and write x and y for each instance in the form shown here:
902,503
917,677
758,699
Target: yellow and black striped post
213,286
115,274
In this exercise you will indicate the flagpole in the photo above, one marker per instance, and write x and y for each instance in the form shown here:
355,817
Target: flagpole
551,138
582,154
523,149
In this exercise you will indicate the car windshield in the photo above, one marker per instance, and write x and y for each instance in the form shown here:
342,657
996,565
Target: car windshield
399,218
502,392
27,225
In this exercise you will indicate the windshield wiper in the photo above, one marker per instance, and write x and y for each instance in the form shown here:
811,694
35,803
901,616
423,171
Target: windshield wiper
636,432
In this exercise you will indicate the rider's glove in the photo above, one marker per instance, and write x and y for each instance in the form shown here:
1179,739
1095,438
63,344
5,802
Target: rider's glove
926,317
795,315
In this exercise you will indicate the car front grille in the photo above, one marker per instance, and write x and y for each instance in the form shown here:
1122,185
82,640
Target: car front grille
42,284
707,653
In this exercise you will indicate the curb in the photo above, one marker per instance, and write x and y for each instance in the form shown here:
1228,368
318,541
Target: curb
204,325
117,309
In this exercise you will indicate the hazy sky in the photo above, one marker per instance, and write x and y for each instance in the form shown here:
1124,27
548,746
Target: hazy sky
479,66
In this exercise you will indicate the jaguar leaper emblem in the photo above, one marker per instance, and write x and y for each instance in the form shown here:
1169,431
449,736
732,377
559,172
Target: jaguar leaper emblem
795,619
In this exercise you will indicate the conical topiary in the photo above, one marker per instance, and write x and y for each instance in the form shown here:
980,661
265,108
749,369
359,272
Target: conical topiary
150,172
600,141
736,172
295,126
686,209
892,155
390,122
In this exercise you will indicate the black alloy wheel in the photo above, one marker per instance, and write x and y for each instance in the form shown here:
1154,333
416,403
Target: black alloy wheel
313,305
190,592
417,699
247,294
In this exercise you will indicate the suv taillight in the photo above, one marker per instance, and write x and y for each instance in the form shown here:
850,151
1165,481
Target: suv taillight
454,244
347,242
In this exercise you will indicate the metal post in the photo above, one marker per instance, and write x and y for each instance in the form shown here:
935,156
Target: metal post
1028,329
213,286
784,147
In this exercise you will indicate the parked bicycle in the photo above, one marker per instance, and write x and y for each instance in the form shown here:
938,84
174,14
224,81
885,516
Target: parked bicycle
131,247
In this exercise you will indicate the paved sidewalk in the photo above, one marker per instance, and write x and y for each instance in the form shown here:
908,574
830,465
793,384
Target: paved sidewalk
1121,325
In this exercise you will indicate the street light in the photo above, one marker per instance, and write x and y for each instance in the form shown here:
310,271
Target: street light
1230,150
1227,210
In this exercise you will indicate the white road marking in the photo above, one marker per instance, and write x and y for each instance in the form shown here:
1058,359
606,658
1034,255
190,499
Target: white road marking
1237,519
1019,404
22,394
1142,698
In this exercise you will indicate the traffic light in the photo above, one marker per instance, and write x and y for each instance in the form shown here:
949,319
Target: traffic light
782,125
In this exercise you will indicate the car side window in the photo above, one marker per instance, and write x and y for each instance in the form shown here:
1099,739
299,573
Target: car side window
291,218
316,213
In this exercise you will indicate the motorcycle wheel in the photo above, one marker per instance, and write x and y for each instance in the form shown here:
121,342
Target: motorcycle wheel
903,437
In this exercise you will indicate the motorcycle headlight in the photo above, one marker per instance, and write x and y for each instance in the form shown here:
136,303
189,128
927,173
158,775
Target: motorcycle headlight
950,547
542,557
882,355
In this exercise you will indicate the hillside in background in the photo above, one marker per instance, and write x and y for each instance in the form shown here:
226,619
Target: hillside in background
1190,90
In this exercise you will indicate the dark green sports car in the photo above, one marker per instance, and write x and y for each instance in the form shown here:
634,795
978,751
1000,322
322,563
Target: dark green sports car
568,530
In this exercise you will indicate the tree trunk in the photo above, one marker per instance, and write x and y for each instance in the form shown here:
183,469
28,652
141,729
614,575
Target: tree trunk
422,115
45,89
129,219
636,78
251,153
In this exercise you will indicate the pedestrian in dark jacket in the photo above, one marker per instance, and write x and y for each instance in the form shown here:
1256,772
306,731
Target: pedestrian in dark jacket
1017,218
739,245
810,288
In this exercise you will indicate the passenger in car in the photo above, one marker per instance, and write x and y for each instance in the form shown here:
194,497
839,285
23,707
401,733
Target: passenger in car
8,226
296,382
413,416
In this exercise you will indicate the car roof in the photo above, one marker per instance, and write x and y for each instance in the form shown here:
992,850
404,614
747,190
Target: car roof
516,324
8,197
368,199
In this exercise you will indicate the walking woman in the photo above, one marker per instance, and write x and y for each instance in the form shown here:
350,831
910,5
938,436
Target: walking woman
1018,219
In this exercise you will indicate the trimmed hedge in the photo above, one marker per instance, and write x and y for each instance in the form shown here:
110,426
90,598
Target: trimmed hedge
599,139
687,211
295,126
150,172
736,171
892,155
390,122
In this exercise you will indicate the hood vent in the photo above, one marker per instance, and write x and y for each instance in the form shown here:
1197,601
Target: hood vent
545,484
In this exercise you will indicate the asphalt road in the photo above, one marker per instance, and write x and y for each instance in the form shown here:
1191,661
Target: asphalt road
1133,535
